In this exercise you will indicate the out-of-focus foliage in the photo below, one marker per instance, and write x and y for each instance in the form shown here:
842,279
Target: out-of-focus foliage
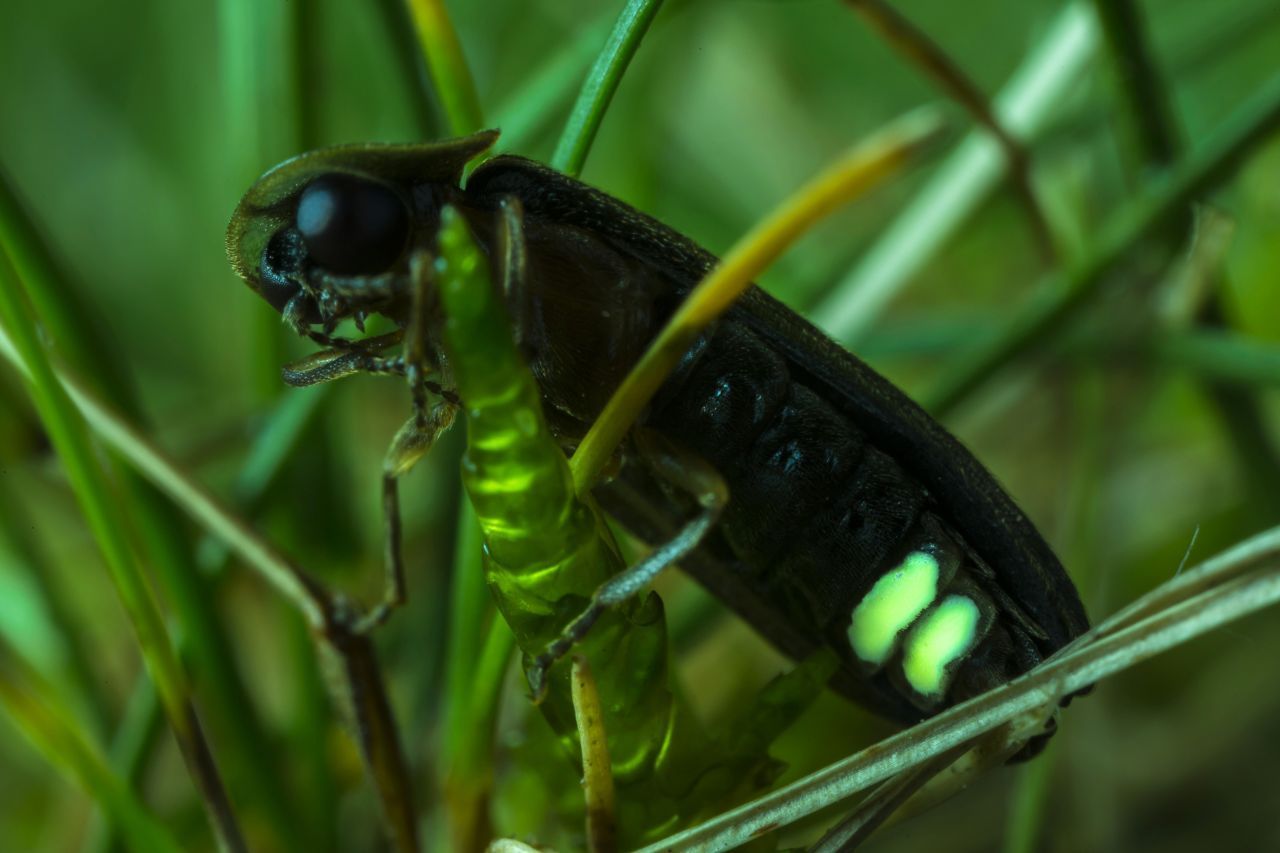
131,129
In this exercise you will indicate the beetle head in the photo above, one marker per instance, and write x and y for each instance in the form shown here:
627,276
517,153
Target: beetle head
327,235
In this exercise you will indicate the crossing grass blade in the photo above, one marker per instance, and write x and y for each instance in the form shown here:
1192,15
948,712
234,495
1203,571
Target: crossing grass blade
858,170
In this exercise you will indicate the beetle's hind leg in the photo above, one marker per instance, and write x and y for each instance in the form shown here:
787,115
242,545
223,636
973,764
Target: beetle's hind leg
427,423
687,472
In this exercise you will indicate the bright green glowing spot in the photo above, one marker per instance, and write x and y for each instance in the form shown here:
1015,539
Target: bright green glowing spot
941,638
892,604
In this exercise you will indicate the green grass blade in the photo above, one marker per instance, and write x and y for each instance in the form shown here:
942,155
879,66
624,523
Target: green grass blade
597,773
1027,808
262,57
16,530
1147,100
1052,306
601,84
162,534
442,50
238,66
310,731
967,177
70,320
273,445
398,32
1218,355
858,170
465,739
35,709
278,571
357,685
495,655
927,55
102,508
1235,583
135,739
522,115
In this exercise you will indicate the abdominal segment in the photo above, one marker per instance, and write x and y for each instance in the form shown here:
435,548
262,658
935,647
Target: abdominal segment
837,537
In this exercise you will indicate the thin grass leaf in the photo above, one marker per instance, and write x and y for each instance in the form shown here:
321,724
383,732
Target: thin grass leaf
35,708
100,504
597,773
356,680
16,529
486,684
237,20
277,570
1033,94
882,803
1149,104
1147,100
1219,356
523,114
930,58
450,74
69,319
135,739
398,31
1027,807
464,767
265,65
469,745
469,725
77,334
601,84
274,444
302,46
1241,581
861,168
1052,306
320,789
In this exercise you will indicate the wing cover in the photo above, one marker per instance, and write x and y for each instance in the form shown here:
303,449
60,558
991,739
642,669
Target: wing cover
967,493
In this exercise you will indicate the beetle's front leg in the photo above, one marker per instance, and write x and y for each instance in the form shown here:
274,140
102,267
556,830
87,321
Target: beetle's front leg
511,252
337,363
415,438
687,472
411,443
415,359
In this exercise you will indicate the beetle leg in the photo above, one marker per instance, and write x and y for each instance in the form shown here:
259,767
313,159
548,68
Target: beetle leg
418,361
511,252
411,443
335,364
684,470
357,357
414,439
359,289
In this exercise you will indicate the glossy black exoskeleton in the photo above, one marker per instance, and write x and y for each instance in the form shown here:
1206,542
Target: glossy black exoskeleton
855,521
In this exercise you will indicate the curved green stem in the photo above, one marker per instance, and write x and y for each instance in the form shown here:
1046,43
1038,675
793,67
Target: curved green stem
601,84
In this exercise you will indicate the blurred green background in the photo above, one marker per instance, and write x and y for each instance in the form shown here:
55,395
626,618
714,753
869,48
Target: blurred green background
130,131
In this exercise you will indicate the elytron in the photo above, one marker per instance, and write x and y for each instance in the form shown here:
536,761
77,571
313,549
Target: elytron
853,521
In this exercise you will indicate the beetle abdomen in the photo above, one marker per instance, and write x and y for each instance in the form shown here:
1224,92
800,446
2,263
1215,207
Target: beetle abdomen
835,533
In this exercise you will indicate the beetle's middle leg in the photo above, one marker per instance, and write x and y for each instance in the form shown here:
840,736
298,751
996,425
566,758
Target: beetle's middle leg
687,472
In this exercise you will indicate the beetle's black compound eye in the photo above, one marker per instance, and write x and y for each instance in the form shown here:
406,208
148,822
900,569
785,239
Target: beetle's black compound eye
352,225
279,266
